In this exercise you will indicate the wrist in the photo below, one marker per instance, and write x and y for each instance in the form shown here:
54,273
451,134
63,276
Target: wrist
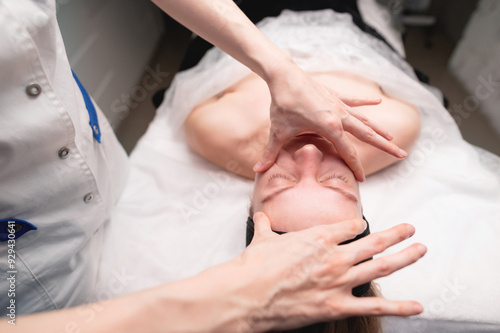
285,77
277,67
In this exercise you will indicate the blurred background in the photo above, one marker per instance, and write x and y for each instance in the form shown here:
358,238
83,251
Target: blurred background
124,51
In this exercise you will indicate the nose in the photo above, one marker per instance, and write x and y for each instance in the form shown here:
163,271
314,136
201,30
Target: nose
308,158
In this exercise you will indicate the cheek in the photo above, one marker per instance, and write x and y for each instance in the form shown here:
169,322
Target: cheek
279,217
307,211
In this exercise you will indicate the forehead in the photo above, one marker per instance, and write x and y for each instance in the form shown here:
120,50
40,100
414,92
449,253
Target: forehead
306,205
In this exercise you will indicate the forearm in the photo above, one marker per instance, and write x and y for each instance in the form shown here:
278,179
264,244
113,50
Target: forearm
128,314
223,24
203,303
278,282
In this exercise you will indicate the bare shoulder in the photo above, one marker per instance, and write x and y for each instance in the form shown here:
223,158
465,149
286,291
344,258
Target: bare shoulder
231,128
398,117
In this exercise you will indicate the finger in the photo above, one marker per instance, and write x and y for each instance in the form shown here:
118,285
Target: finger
334,132
376,243
270,153
356,101
341,231
380,267
262,225
378,129
348,153
368,135
378,306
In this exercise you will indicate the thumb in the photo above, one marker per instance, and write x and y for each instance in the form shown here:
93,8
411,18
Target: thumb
262,225
270,154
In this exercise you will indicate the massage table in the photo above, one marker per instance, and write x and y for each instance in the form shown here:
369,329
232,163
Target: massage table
180,214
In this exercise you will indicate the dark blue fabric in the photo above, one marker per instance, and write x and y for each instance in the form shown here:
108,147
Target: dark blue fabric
94,123
20,227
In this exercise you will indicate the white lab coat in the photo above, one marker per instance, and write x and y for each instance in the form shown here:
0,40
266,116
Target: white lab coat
53,173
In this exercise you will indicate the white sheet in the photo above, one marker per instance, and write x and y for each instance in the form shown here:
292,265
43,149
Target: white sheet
379,17
181,214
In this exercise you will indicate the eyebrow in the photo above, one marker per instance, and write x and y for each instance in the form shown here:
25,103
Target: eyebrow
348,195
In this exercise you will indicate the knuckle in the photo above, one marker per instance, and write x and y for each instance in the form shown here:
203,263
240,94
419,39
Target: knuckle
348,279
335,125
362,118
323,239
344,260
360,226
337,307
370,134
350,155
334,308
378,306
353,153
378,243
354,228
361,223
384,268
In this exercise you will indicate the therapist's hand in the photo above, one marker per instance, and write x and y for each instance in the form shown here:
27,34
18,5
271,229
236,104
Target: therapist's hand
301,105
304,277
278,282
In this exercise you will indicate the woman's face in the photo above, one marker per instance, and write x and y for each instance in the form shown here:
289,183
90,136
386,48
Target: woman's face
308,185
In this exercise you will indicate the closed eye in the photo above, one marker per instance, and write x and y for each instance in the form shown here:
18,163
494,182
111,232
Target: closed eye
335,176
279,175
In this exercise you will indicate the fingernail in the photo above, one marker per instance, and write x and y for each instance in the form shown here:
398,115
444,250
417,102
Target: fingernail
257,166
421,249
389,136
360,175
411,230
418,308
402,153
